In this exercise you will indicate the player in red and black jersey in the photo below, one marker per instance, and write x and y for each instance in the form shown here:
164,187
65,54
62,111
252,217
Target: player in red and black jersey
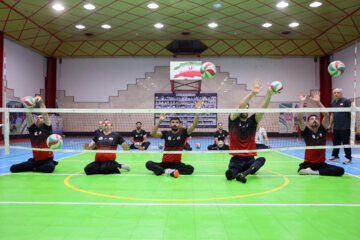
242,131
139,135
315,135
219,135
174,141
105,162
42,161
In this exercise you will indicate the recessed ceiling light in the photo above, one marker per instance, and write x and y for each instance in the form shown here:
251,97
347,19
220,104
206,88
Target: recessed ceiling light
159,25
212,25
294,24
153,5
266,25
282,4
217,5
89,6
80,26
106,26
315,4
58,7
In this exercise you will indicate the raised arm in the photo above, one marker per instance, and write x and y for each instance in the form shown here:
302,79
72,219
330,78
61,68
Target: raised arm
29,117
302,99
325,121
265,103
155,132
245,101
198,105
44,114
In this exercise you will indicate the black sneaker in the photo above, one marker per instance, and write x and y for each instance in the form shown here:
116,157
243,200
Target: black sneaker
241,178
229,175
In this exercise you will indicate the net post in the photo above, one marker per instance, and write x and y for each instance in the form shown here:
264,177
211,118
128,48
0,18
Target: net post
352,124
7,131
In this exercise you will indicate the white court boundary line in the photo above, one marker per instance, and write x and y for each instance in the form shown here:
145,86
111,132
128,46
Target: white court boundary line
195,204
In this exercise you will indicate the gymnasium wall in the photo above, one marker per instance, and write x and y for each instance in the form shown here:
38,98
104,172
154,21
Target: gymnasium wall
24,70
346,80
94,80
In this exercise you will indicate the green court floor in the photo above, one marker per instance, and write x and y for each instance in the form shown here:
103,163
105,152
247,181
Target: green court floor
276,203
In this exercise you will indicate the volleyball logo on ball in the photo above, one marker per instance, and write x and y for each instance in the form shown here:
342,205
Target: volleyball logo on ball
336,68
208,70
276,87
54,141
28,102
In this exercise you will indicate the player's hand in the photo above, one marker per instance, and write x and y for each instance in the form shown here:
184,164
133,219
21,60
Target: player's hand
39,99
316,96
86,146
199,104
302,98
257,86
162,116
125,146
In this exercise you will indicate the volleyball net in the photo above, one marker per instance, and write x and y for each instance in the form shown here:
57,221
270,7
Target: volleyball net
77,127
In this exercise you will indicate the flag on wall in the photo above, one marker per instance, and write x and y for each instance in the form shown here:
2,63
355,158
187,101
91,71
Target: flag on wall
185,70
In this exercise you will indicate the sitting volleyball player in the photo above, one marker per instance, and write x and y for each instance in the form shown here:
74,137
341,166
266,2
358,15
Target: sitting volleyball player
138,136
105,162
260,135
174,141
220,137
242,131
315,135
42,161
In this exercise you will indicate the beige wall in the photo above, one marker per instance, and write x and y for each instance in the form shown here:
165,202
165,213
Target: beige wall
141,96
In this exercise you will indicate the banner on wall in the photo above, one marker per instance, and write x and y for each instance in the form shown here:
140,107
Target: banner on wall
286,120
18,123
185,70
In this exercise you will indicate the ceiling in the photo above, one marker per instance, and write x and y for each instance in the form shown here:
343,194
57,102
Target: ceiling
322,31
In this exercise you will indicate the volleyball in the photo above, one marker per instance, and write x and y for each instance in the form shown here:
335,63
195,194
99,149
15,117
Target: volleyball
28,102
54,141
197,145
276,87
137,144
336,68
220,144
208,70
161,145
